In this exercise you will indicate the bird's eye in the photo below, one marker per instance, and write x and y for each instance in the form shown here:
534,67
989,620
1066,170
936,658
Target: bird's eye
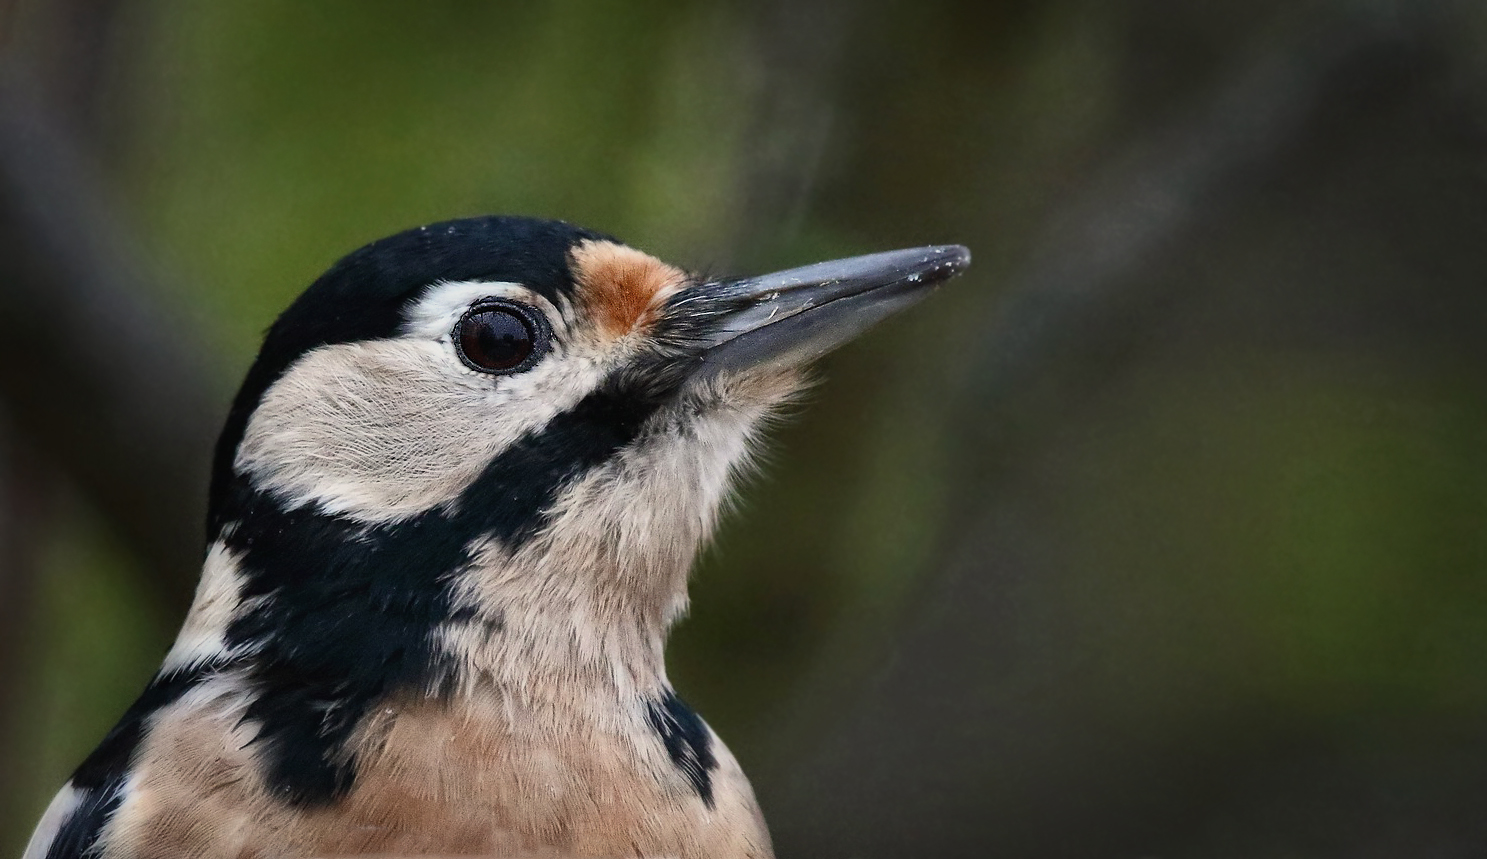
500,337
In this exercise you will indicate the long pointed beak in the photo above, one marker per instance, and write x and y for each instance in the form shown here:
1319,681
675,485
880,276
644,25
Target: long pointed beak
790,318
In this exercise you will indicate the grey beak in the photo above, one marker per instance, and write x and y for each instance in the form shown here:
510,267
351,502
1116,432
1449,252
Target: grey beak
790,318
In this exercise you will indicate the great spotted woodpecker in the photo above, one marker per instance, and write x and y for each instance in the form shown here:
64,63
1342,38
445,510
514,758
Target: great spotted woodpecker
451,520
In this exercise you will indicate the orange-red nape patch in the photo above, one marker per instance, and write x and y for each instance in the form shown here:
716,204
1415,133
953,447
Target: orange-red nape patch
622,288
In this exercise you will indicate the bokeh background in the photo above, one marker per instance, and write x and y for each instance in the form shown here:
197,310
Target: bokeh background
1162,532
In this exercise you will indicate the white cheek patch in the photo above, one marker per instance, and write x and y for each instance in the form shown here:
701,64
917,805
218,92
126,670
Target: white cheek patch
382,430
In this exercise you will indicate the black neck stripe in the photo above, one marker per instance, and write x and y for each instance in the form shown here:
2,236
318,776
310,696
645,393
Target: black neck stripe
352,608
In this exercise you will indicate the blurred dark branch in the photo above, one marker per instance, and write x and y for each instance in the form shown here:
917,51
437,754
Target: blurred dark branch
67,51
94,372
799,49
1086,295
1076,295
25,503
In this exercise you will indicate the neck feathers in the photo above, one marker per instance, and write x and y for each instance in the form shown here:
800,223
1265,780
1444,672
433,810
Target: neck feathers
552,579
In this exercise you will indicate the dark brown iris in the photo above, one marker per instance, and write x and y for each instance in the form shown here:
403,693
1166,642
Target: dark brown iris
496,339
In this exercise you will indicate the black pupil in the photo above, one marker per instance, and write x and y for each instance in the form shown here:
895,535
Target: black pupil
496,339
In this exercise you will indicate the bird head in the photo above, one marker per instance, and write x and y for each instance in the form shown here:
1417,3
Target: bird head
487,451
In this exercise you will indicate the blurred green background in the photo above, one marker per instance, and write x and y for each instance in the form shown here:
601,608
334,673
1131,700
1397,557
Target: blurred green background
1163,532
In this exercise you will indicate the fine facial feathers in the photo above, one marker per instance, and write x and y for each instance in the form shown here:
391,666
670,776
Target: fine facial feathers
452,514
